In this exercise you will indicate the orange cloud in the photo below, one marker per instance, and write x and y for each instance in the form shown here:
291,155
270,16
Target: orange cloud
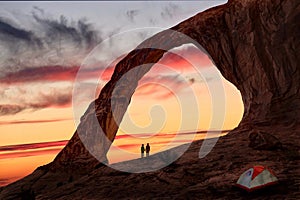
30,153
31,122
32,146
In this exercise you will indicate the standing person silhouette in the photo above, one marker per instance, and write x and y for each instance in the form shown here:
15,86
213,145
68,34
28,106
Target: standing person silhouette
147,150
142,151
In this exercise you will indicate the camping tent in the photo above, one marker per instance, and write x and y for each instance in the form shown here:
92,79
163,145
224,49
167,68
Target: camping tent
256,177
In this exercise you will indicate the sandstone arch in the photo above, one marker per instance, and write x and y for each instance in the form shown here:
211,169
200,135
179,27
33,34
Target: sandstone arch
252,47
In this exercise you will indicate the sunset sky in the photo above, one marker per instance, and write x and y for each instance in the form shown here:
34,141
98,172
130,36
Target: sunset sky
44,44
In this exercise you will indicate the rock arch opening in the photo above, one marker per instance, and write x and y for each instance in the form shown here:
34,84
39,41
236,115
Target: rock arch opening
154,113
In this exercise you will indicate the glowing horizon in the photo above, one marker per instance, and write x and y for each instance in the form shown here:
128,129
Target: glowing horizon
43,49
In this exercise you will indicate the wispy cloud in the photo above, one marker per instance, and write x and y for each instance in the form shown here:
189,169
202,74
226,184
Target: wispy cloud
11,32
30,153
33,146
162,86
48,42
34,97
31,121
131,14
170,10
44,73
186,58
80,32
44,51
167,135
33,149
7,109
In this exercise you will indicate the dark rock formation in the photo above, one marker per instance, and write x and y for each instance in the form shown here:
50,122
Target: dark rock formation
255,45
263,141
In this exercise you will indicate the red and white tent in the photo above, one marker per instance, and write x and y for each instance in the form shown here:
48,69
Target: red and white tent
256,177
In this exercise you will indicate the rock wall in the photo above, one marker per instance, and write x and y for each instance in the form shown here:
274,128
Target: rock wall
254,44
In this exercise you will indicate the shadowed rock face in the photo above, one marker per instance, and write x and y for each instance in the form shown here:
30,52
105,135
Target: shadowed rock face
254,44
263,141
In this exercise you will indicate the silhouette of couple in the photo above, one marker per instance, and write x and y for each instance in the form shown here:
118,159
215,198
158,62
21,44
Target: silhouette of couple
143,150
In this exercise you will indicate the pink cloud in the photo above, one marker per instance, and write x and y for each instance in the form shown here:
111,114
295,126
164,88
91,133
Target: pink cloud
183,59
43,73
